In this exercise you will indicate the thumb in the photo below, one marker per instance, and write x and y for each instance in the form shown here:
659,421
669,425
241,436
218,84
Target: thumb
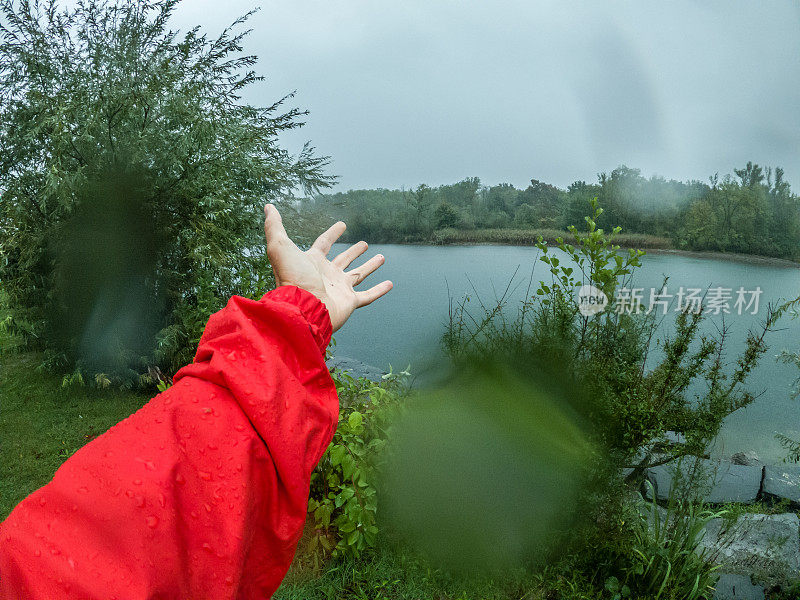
273,225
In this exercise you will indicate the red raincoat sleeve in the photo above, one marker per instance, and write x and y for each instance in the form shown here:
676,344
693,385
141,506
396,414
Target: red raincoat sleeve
203,492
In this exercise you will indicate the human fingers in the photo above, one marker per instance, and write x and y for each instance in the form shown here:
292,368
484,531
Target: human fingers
344,259
362,272
373,293
273,225
327,239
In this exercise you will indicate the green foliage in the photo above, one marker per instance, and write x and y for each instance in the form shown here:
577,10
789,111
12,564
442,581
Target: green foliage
344,495
390,572
527,237
596,257
640,386
753,215
756,214
791,446
105,110
446,216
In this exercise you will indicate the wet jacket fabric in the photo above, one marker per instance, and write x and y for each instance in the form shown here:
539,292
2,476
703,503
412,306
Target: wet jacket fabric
203,492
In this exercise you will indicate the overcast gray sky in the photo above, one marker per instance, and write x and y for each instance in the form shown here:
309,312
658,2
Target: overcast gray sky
415,91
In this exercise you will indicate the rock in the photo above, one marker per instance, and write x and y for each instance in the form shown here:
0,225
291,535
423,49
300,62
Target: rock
782,482
715,482
356,368
730,586
767,546
746,458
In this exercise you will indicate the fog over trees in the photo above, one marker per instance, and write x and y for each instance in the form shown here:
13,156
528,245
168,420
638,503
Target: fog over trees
753,210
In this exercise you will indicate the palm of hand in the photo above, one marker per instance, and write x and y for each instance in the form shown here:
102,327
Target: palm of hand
312,271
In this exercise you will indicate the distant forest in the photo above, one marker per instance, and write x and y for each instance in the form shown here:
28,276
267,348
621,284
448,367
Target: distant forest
753,211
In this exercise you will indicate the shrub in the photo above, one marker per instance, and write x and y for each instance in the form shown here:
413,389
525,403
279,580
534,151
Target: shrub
343,503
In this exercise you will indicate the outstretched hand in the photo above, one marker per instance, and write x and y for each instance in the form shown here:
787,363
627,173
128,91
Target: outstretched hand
312,271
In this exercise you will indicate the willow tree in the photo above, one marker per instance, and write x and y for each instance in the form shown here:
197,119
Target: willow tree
133,179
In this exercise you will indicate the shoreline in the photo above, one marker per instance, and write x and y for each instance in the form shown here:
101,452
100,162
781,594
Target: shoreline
752,259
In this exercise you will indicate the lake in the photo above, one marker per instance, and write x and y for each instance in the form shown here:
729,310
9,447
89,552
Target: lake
405,326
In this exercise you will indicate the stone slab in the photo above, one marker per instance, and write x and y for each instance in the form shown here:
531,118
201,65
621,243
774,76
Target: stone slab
731,586
782,482
767,546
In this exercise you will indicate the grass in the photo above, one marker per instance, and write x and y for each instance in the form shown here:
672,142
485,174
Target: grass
762,507
527,237
42,424
392,573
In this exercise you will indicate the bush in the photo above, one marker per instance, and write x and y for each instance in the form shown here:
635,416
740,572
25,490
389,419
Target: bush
343,503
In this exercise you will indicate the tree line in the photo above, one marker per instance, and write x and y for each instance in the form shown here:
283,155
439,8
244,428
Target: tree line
753,211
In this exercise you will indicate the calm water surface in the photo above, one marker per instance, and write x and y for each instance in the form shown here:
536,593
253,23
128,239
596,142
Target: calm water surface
405,326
